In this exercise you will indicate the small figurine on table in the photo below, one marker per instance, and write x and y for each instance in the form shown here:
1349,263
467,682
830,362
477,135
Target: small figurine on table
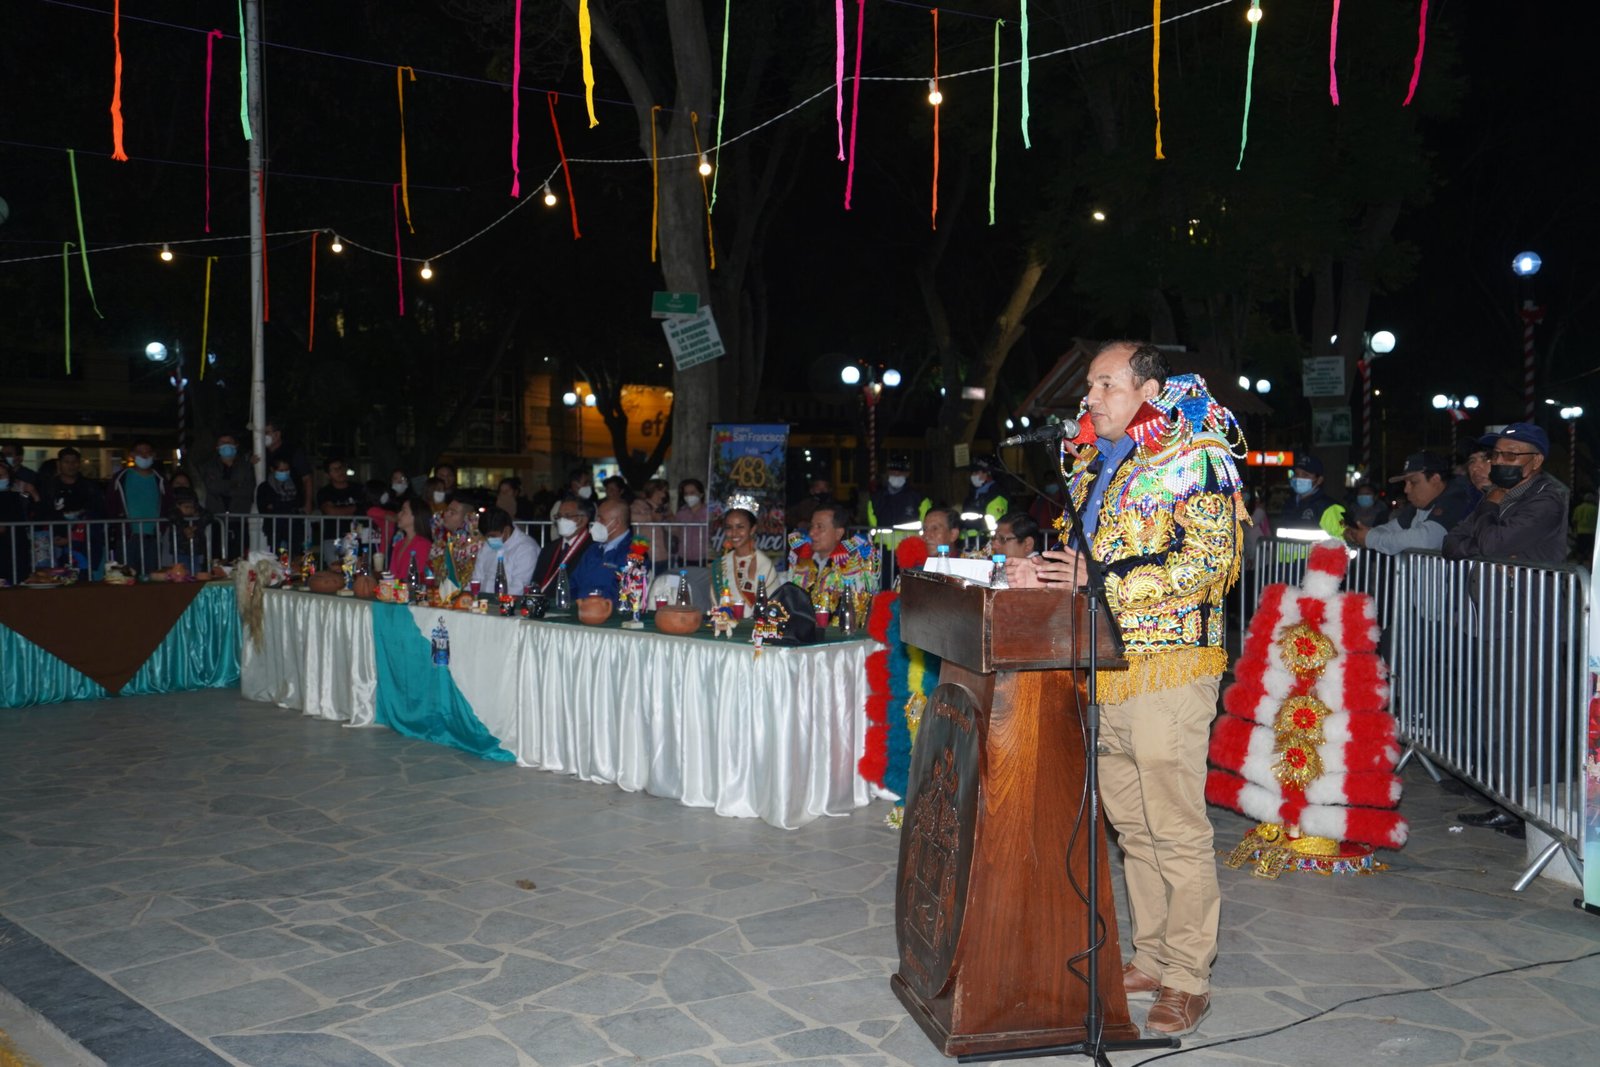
347,561
635,583
723,622
308,565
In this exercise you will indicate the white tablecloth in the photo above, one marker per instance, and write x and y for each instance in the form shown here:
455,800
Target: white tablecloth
706,722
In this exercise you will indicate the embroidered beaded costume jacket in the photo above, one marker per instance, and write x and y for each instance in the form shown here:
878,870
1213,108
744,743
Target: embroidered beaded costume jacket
1169,536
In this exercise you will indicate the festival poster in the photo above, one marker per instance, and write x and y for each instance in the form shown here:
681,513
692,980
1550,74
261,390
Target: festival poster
748,460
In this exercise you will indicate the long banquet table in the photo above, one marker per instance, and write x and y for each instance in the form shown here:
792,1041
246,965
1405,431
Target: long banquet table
704,721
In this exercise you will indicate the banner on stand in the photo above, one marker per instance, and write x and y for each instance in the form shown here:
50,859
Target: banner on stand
749,460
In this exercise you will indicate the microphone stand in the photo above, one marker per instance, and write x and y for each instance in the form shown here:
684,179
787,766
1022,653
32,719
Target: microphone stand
1093,1044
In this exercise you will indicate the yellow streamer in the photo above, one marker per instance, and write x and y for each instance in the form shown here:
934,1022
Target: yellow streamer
655,184
585,32
711,240
400,93
1155,71
205,322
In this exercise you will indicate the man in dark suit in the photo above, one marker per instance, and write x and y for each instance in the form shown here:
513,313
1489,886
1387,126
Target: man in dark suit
600,568
572,518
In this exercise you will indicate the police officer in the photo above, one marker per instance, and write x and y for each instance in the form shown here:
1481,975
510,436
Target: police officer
986,503
895,511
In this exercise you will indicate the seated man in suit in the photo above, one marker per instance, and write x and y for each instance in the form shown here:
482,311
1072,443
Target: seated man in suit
600,568
572,516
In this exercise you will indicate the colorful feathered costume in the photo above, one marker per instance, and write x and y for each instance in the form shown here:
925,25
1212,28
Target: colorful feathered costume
1307,744
899,679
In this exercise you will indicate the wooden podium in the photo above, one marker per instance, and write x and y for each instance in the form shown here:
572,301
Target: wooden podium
986,917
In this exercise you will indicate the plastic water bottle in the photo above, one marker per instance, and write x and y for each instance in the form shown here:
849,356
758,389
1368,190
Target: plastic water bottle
941,562
997,574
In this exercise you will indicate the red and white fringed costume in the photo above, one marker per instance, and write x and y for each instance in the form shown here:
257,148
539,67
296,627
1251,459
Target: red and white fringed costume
1306,743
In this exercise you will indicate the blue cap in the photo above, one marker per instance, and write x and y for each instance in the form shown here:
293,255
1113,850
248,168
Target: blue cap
1528,434
1308,465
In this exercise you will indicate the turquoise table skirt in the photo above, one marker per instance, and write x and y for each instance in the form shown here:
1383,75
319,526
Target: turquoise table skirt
200,652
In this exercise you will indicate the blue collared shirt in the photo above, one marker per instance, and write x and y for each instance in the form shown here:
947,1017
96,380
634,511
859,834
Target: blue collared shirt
1111,456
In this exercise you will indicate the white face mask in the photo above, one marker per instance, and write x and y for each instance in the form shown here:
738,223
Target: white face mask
438,498
585,492
897,482
599,532
691,501
566,527
398,487
978,480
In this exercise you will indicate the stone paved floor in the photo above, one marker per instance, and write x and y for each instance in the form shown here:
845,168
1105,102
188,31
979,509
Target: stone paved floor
201,880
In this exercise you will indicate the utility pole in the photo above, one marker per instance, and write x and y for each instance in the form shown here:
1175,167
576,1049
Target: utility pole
254,105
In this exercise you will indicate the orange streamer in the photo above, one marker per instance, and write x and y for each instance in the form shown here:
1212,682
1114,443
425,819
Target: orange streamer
400,92
655,184
550,98
116,85
1155,71
705,189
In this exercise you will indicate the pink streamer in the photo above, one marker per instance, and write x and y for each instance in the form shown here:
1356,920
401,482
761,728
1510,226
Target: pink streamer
1422,41
838,72
516,99
855,102
399,264
1333,50
212,37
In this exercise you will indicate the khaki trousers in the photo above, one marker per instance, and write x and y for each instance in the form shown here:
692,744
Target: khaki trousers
1152,785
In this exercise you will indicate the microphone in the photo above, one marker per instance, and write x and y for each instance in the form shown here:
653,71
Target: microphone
1051,431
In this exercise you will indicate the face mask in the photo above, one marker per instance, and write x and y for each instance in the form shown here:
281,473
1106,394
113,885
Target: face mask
1505,475
977,480
227,451
585,492
144,463
497,543
438,498
270,440
691,501
599,532
897,482
1301,486
281,476
398,487
1365,500
566,527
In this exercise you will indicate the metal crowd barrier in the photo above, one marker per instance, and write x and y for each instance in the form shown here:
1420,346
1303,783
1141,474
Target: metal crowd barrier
1488,670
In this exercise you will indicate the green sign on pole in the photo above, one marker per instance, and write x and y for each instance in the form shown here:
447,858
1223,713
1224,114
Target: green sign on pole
673,305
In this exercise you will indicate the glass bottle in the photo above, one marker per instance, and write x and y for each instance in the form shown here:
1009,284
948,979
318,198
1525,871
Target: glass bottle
684,599
761,599
563,591
413,582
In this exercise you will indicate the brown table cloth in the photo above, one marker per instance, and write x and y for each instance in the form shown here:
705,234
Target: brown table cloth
103,631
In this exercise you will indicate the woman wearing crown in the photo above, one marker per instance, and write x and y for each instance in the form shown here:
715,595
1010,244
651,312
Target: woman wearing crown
742,566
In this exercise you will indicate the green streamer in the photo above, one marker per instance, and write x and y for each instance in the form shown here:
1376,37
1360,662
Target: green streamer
83,242
1026,141
1249,80
994,119
722,104
244,79
66,299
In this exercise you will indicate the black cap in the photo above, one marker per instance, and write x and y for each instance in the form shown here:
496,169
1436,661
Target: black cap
1423,463
983,463
1308,465
897,461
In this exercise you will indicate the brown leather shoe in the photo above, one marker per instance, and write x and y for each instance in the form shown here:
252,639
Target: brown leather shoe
1137,984
1176,1012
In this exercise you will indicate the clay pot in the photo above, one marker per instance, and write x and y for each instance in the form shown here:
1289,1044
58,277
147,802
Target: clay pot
326,582
675,619
594,610
365,587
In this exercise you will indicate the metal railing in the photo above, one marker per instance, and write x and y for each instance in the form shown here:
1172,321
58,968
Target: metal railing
1488,670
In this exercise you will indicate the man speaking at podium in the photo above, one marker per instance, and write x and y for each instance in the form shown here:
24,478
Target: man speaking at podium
1158,492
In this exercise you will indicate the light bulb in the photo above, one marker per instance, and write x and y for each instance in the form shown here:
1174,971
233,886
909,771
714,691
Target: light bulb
1440,401
549,195
166,254
588,400
1254,14
850,375
1263,386
337,246
1470,402
1244,381
426,271
705,166
570,399
935,97
1099,216
891,378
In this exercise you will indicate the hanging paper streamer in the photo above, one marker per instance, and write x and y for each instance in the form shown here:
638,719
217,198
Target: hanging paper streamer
855,103
994,120
566,171
711,238
655,184
311,315
1422,42
1249,79
1155,70
205,321
400,94
585,32
244,79
934,215
399,264
516,98
66,300
116,84
83,242
722,102
838,72
1333,50
212,37
1026,141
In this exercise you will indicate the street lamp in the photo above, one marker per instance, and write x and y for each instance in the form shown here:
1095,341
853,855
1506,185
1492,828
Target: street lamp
1571,415
158,353
1373,345
1455,408
1525,265
873,378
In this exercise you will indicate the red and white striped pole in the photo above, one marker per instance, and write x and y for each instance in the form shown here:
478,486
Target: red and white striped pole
1531,317
1364,365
